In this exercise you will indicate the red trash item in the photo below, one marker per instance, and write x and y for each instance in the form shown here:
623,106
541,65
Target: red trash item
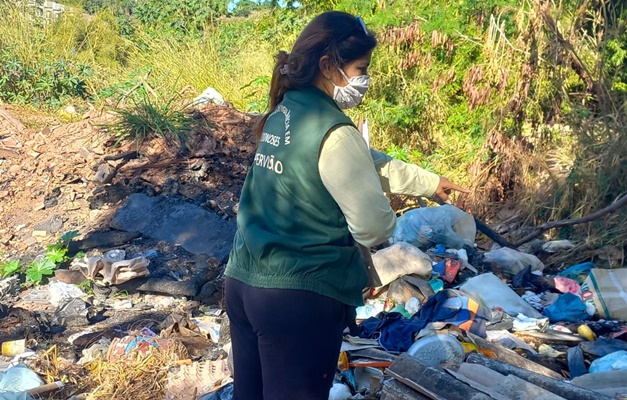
451,269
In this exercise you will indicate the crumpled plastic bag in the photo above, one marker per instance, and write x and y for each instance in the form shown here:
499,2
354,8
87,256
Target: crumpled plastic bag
62,292
611,362
18,379
513,261
424,227
401,259
106,271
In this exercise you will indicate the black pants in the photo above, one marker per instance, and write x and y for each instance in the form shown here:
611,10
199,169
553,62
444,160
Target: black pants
286,343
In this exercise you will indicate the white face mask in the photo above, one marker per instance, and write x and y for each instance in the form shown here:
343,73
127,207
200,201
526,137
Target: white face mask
350,95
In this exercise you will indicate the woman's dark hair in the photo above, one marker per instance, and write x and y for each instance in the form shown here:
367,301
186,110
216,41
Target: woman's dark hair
339,35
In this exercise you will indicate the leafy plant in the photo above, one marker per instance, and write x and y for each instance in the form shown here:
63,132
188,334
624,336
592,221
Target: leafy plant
55,255
398,152
39,269
9,268
46,82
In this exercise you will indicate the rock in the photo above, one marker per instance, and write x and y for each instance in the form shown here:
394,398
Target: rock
52,225
9,287
173,219
105,173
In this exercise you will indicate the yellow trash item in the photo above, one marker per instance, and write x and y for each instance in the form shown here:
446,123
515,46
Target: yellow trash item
585,331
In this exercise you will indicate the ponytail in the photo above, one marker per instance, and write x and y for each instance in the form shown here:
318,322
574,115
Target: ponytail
279,85
338,34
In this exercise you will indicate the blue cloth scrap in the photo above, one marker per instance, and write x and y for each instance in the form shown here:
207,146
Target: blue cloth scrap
392,330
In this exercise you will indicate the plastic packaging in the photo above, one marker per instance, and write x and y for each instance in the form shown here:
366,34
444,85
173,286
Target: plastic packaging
436,284
424,227
566,285
492,292
369,310
436,349
224,393
412,306
19,379
611,362
339,391
513,261
401,259
578,272
13,347
62,292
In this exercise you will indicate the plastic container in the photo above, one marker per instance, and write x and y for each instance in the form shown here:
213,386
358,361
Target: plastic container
436,349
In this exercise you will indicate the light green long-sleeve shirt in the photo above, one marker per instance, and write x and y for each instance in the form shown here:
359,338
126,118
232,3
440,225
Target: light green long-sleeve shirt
357,178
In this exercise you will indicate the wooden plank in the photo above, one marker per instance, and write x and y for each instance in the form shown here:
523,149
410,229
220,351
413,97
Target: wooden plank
512,358
431,382
559,387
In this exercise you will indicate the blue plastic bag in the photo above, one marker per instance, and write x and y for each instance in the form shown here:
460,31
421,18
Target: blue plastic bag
224,393
578,272
568,307
611,362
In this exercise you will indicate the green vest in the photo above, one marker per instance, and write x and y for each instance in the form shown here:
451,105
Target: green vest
291,233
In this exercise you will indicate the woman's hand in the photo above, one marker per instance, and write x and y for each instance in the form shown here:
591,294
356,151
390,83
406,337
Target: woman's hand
445,187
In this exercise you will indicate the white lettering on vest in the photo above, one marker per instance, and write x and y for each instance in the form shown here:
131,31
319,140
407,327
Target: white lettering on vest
268,162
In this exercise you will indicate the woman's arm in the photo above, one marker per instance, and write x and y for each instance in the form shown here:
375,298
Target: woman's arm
348,173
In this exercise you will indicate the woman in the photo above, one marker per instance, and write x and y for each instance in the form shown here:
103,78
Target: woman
294,275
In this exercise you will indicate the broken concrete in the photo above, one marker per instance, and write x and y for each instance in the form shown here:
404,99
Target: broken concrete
173,219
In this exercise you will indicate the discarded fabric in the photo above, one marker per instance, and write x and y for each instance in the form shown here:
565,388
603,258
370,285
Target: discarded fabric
568,307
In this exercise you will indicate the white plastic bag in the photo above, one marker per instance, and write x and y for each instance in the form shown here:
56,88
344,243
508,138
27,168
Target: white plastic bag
424,227
60,292
492,292
401,259
513,261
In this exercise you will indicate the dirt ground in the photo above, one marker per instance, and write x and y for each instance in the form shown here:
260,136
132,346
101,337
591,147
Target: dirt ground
59,177
49,181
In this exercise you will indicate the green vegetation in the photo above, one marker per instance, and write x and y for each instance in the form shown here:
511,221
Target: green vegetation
8,268
149,117
43,266
524,102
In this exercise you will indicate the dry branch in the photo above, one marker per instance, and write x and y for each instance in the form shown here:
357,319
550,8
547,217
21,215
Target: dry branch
568,222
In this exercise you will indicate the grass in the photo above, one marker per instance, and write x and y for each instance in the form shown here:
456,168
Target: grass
148,117
427,104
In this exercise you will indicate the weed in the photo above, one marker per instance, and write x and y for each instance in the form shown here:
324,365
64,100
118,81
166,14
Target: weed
9,268
56,254
149,117
87,286
39,269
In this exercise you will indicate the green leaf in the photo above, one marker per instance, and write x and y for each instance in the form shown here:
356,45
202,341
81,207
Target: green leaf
10,268
56,255
38,269
68,236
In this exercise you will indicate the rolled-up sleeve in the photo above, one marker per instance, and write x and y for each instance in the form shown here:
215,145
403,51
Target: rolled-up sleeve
398,177
348,173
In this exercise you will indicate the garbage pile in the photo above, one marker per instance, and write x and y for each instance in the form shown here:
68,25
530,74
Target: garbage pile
451,322
447,321
180,358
